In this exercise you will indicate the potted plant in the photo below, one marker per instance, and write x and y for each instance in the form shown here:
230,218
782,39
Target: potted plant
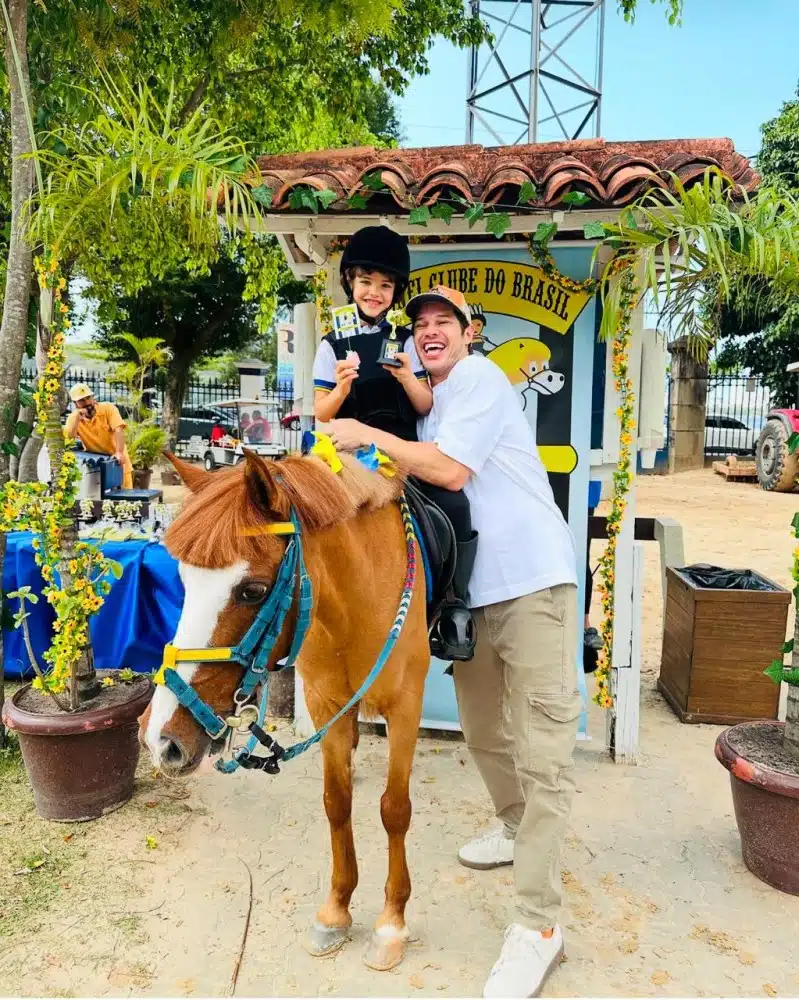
77,731
763,761
145,439
145,444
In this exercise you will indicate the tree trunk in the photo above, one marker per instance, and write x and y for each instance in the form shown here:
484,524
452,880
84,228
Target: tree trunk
791,737
26,415
29,460
177,376
20,259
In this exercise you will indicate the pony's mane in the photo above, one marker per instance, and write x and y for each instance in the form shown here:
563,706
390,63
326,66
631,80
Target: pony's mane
211,530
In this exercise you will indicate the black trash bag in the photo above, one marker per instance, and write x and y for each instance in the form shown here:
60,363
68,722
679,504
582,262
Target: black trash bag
716,578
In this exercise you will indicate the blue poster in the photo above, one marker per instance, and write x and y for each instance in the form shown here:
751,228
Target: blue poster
542,336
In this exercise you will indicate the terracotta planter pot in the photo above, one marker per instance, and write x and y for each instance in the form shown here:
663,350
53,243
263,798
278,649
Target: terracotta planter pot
81,765
141,479
765,795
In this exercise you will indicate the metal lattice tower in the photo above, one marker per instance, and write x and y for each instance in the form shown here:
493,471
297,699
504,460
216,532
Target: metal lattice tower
543,70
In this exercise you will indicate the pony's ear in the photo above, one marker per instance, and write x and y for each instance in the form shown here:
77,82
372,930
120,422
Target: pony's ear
262,487
194,477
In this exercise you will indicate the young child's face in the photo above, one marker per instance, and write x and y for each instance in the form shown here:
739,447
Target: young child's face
372,292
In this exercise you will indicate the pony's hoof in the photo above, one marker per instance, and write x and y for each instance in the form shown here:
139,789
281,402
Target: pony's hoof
322,940
386,948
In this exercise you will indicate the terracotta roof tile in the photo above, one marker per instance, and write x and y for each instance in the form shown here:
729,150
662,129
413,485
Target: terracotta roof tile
609,173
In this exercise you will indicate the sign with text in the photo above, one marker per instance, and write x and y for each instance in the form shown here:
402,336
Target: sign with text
285,358
508,289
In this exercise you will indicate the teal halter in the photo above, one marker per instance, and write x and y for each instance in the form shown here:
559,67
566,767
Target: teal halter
256,647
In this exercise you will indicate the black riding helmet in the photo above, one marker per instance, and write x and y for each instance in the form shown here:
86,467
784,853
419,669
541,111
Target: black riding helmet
378,248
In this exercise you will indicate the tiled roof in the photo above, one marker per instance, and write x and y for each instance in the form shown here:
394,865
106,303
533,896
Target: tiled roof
609,173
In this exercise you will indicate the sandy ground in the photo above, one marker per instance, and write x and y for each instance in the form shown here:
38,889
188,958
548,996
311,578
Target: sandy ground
657,900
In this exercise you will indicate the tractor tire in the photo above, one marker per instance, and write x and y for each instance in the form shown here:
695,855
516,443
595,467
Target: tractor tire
777,468
209,462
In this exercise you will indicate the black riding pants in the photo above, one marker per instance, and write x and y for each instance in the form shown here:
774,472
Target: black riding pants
455,505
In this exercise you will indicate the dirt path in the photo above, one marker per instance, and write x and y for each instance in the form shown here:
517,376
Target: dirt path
658,902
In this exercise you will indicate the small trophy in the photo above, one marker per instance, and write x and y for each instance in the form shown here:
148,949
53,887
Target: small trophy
391,348
346,322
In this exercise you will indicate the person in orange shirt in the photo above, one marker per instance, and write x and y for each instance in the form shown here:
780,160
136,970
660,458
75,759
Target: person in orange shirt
100,428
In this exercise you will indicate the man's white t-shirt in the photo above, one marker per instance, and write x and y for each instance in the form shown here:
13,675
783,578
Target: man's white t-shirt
524,543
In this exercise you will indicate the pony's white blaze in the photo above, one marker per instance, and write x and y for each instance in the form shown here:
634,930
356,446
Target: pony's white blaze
207,593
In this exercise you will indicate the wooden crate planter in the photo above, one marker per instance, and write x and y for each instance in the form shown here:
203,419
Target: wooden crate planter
716,645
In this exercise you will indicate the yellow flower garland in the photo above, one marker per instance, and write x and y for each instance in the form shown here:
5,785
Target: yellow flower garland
49,276
75,585
324,304
622,479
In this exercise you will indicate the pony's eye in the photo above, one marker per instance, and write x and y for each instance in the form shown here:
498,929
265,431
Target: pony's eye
253,592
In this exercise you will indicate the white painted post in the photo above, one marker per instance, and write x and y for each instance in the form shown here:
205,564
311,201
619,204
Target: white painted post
304,351
621,658
668,535
628,676
622,722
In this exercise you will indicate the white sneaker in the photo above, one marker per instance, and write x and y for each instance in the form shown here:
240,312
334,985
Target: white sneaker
526,961
490,850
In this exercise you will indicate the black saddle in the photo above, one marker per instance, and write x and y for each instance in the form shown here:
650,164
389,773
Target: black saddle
438,540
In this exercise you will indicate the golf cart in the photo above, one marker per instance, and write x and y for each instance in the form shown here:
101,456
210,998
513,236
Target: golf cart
255,426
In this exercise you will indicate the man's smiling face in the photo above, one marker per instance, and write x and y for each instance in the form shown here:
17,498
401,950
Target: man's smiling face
440,340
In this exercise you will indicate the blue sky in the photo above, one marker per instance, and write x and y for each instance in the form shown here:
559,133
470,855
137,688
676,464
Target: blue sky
728,68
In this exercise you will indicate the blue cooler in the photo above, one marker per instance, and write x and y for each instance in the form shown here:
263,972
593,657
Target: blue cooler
594,493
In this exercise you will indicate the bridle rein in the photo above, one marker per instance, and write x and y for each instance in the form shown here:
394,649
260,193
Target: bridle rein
292,584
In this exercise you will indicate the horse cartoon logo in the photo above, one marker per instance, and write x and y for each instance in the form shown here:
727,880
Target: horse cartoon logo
526,360
478,324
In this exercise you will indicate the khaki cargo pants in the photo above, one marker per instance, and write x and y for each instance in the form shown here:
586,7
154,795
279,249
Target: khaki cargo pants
519,707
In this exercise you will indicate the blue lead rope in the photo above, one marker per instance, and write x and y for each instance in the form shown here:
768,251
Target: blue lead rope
243,756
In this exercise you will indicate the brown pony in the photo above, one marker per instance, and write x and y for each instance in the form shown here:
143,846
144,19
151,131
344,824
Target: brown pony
355,553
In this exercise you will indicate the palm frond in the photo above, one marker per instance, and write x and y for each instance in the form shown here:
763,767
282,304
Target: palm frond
137,152
699,248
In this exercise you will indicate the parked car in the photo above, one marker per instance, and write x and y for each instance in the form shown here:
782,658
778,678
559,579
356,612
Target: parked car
728,436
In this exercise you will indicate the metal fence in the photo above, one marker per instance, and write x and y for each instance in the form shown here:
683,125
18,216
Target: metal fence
736,409
199,408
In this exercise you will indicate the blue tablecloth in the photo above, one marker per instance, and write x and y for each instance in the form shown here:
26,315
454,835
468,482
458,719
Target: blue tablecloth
139,616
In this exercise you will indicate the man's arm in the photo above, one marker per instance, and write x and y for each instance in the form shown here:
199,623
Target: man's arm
119,441
420,458
117,425
71,426
465,438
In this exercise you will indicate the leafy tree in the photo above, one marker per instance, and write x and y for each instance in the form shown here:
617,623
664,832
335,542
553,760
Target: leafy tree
200,317
283,83
673,9
761,330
